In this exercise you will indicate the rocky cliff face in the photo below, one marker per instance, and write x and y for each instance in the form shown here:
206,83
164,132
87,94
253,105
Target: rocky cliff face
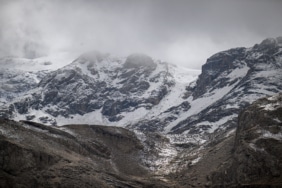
256,159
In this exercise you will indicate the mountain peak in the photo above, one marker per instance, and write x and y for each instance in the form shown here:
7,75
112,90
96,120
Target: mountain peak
279,40
138,60
269,46
269,42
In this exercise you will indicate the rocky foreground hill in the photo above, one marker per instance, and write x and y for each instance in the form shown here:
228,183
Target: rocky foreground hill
36,155
257,151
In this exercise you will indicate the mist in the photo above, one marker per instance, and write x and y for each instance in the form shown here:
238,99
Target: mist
180,32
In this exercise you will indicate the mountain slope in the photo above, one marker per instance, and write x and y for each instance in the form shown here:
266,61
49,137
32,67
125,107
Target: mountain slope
103,88
230,80
35,155
19,76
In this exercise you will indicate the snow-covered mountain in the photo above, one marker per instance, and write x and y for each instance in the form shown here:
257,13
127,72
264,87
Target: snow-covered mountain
102,88
230,80
19,75
198,111
140,93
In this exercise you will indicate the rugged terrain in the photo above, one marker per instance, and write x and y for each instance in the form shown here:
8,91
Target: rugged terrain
257,151
140,93
165,125
36,155
95,86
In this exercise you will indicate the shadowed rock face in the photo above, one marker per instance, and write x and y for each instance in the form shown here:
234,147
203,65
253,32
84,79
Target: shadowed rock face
214,67
229,60
35,155
257,156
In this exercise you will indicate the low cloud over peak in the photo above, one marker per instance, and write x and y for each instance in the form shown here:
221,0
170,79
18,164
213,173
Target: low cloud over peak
181,32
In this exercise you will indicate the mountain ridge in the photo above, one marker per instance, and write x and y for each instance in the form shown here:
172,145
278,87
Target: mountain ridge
140,93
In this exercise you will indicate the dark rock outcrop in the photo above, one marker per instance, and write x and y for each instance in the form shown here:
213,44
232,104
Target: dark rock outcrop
213,68
256,159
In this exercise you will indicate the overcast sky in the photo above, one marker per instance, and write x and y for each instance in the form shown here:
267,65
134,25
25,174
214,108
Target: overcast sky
183,32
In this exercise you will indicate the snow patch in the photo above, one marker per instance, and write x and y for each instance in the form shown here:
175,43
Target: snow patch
267,134
186,138
215,125
254,147
193,162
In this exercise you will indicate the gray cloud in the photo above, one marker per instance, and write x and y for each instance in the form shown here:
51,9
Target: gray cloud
179,31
